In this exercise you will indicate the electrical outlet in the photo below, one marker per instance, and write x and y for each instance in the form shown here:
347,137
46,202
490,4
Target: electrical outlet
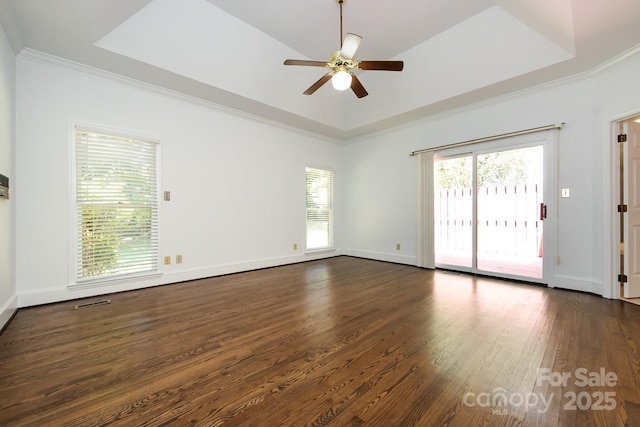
178,259
397,246
295,246
565,193
167,196
558,259
167,260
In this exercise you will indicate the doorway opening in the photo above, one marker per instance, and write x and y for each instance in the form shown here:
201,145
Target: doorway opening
627,180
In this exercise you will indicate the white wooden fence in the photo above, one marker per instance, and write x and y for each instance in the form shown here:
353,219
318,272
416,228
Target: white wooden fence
508,220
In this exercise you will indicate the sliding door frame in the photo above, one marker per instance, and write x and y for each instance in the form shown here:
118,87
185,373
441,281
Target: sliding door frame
548,140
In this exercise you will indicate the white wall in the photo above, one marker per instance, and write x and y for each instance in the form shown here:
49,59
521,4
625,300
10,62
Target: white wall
8,298
237,184
381,178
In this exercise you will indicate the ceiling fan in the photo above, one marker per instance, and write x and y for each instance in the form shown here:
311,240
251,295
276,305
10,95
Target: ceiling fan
342,64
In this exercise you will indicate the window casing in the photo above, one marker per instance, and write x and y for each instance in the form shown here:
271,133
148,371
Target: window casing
116,195
319,202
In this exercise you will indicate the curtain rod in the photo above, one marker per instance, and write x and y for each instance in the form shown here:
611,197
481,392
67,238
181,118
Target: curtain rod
490,138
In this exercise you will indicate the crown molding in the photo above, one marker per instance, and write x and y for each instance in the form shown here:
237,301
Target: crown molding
87,70
613,62
350,136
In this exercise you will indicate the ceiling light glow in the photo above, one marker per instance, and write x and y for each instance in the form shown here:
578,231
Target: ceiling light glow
341,80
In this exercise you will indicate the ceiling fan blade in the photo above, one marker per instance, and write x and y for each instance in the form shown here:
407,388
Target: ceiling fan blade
317,85
305,62
357,87
381,65
350,45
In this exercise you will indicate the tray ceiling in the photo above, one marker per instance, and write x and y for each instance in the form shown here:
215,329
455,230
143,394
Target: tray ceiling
456,52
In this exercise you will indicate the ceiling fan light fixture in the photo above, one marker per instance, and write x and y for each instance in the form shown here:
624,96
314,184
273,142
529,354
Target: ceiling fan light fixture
341,80
341,64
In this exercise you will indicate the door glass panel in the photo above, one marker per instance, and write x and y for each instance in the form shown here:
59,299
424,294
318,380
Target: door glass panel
453,211
509,189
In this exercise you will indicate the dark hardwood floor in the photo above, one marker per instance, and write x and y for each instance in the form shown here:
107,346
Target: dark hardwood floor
340,342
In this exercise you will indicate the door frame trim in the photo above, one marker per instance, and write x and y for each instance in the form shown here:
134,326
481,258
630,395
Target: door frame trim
611,189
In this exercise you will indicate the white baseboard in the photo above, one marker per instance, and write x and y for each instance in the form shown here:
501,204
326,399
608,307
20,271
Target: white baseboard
8,309
65,293
581,284
381,256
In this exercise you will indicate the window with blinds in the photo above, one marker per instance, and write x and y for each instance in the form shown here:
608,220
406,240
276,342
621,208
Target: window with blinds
117,205
319,198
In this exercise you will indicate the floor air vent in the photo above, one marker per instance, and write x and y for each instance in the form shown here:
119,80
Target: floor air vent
93,303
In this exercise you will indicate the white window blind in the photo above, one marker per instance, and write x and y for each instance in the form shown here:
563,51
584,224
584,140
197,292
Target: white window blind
319,197
117,205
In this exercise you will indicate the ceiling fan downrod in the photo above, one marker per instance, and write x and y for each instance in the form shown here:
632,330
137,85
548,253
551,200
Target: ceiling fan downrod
340,2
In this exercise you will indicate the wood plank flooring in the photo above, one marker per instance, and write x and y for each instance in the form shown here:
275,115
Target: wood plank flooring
340,342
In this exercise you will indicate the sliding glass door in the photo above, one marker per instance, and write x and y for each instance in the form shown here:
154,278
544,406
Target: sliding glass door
510,190
453,211
489,210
